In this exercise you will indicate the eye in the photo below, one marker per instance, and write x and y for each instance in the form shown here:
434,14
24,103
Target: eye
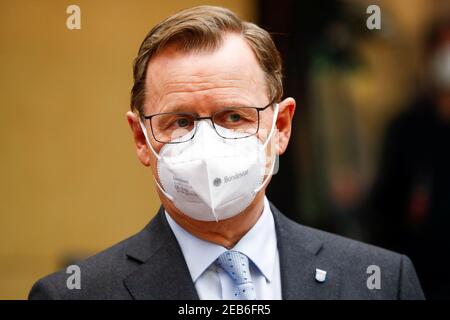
182,122
234,117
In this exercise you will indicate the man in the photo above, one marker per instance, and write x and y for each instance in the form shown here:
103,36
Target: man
208,119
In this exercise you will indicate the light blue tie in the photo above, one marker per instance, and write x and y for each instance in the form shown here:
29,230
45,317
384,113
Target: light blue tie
236,264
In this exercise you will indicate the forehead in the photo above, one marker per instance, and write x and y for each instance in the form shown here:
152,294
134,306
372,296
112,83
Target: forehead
229,73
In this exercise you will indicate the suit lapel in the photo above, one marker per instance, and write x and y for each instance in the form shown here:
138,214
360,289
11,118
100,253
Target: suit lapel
162,273
300,256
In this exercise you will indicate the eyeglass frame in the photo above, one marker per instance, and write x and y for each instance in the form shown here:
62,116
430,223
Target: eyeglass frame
196,119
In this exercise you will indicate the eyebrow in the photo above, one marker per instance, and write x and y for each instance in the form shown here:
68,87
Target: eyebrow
177,108
186,109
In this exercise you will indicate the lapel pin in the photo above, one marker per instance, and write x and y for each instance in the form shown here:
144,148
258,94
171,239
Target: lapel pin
321,275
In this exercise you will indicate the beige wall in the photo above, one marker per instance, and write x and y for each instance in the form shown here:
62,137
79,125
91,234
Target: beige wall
70,180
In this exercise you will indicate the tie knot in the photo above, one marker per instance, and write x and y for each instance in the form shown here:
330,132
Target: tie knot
236,264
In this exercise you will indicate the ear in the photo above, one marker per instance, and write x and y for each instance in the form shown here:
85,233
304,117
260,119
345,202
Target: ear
284,123
142,149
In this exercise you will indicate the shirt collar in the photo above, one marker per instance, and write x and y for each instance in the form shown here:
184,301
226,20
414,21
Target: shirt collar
259,244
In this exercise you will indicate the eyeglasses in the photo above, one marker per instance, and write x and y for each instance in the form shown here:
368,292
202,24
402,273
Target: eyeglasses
229,123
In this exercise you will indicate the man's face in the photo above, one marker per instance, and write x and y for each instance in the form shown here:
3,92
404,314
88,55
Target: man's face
205,82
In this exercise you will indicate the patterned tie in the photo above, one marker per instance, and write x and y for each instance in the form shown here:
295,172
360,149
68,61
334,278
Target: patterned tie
236,264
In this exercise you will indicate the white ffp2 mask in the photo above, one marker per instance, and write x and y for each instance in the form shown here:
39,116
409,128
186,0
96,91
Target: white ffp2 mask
211,178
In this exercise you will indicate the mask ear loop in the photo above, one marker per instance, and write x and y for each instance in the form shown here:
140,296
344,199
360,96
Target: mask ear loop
275,116
144,131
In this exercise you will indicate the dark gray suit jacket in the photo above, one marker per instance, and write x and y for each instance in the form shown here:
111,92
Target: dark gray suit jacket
150,265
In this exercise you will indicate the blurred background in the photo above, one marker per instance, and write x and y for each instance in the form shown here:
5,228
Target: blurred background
369,157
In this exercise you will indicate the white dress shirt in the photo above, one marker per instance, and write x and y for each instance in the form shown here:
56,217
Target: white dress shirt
259,244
